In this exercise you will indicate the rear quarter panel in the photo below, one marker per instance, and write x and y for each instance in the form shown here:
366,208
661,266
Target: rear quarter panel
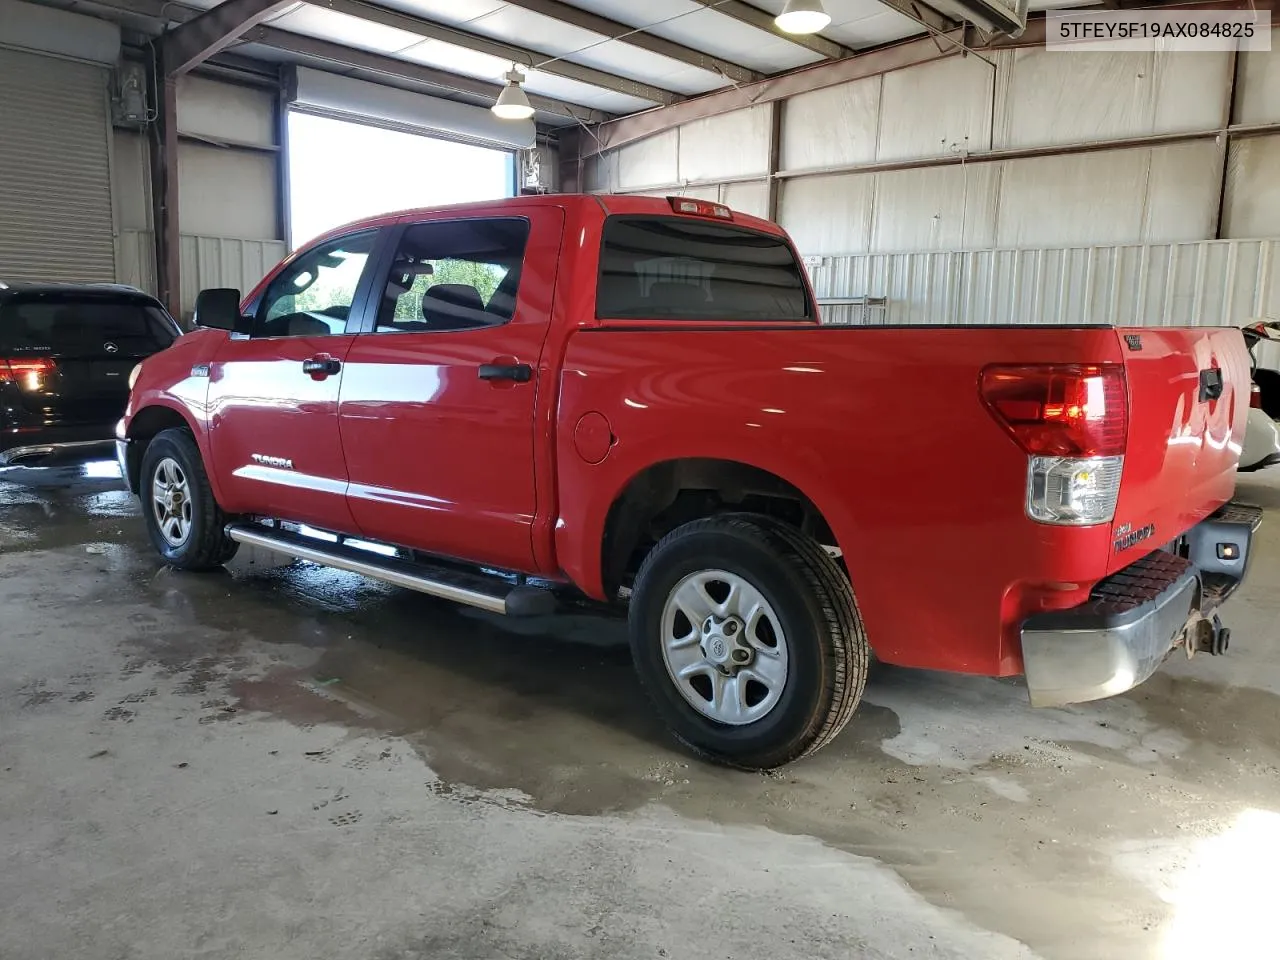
882,429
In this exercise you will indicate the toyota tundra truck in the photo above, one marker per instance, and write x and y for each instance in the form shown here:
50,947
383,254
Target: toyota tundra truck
634,399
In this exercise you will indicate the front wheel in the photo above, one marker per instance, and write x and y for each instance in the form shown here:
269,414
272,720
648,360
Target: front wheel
183,519
745,634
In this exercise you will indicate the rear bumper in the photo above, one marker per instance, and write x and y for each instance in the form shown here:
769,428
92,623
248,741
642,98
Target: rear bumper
1135,618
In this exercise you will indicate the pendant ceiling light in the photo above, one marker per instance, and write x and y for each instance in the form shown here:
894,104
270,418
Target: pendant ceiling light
802,16
512,102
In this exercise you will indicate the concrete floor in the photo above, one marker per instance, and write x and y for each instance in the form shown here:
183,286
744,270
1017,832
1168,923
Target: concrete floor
288,762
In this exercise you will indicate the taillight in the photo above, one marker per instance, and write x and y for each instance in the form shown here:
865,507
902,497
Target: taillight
29,373
1072,420
1255,396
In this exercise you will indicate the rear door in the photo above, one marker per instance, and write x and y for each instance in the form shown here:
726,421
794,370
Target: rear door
1188,402
437,409
69,356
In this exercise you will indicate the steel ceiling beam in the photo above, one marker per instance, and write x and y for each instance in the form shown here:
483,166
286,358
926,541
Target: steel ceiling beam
543,62
818,76
200,38
585,20
350,57
420,73
763,20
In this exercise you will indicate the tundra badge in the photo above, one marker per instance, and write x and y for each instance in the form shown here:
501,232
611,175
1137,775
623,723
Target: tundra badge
267,461
1126,536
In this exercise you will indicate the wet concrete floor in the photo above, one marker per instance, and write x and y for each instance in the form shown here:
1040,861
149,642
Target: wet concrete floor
285,761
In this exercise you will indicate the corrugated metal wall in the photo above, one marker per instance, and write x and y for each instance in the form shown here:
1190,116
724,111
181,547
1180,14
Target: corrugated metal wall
206,262
1168,284
1018,189
228,191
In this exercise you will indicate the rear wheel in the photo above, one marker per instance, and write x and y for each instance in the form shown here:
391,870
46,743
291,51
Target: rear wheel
746,636
183,520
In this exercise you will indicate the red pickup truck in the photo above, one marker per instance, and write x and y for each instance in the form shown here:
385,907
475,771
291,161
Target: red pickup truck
632,398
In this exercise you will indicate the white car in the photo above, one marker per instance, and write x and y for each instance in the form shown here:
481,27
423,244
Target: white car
1262,434
1261,438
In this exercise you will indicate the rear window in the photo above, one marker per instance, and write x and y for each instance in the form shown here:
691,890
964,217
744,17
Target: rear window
72,327
673,268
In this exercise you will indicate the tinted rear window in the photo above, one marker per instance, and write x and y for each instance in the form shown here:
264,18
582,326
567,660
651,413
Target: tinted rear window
72,327
675,268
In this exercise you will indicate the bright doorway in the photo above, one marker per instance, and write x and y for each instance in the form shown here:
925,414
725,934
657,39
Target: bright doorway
341,171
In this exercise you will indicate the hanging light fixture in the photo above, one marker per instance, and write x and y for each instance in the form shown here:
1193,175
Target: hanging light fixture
513,103
802,16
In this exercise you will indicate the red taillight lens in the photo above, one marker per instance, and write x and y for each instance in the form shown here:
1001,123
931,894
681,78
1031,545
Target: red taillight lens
1255,396
27,372
1060,410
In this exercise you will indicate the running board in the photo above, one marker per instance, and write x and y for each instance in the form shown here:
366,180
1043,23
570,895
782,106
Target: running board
473,589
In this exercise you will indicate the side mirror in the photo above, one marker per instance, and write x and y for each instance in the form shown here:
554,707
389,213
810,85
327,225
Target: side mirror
218,307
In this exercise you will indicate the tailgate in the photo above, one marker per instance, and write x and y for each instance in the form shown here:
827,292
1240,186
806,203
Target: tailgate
1188,401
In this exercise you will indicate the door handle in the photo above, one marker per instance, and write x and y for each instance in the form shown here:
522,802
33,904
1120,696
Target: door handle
320,367
519,372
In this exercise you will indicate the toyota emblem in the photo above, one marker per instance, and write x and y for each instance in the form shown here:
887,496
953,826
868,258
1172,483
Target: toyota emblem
110,347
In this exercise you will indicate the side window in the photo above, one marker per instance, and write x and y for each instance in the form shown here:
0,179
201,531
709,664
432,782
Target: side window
313,295
454,275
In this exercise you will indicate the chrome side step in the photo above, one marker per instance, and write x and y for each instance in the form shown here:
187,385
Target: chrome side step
474,590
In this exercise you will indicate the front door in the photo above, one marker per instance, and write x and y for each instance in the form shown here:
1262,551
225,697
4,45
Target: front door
437,407
273,396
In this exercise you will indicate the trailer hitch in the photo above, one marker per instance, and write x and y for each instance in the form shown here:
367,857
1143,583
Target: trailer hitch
1205,635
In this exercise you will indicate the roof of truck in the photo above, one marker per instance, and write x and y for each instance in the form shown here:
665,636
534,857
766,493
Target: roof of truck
608,203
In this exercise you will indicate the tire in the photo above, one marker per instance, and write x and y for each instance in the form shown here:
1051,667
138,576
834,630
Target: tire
813,673
173,454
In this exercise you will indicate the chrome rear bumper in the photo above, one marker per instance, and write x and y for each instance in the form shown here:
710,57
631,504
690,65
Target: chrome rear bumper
1135,618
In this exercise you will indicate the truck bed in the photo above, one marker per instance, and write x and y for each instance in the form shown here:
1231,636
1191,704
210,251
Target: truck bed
884,431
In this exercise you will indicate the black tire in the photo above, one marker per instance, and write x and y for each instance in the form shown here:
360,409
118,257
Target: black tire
206,547
813,601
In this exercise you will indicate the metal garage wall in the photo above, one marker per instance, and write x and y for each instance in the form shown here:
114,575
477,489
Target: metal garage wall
228,168
131,193
1011,186
229,204
1144,194
1205,283
1252,198
731,147
225,262
55,182
1252,203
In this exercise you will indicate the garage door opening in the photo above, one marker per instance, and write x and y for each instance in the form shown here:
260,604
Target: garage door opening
341,171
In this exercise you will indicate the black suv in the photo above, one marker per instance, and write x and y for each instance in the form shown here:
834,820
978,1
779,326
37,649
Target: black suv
66,353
